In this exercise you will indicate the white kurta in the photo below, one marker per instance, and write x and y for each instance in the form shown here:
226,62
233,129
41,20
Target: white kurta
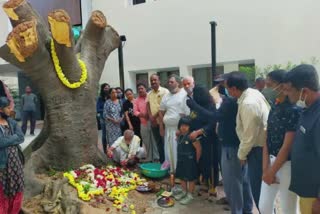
134,149
174,106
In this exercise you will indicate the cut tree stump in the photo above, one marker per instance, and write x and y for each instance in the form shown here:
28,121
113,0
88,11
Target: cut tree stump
69,137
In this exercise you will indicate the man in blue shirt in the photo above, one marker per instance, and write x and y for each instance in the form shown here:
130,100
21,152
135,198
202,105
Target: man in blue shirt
302,87
235,176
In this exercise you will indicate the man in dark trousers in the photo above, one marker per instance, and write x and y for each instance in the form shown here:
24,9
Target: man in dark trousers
235,177
29,102
204,128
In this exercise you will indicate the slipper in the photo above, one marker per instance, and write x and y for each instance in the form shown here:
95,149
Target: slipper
222,201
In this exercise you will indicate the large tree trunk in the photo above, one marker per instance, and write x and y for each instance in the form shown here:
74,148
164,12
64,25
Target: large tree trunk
70,137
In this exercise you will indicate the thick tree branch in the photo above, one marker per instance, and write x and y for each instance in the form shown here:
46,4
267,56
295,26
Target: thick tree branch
20,11
97,42
6,54
23,49
61,30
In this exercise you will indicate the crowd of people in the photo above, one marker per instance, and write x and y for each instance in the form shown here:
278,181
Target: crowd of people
261,141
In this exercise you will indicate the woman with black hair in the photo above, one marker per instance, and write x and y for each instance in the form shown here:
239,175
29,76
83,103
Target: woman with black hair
122,99
11,161
132,122
113,116
104,94
4,92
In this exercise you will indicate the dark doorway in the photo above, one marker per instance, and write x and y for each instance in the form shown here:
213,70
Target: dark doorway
23,82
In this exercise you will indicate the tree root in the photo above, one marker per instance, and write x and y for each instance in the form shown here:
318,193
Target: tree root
56,198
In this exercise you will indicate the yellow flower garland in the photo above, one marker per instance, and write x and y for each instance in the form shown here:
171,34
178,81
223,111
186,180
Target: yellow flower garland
118,193
81,193
62,77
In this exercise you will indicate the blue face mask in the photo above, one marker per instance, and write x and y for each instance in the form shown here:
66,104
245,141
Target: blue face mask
227,93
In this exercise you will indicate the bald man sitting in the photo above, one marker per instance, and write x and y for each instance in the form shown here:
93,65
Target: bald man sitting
126,150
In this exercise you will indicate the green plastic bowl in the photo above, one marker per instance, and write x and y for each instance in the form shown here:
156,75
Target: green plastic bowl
152,170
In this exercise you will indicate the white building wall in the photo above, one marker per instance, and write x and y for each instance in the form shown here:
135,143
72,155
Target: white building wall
4,28
8,77
176,33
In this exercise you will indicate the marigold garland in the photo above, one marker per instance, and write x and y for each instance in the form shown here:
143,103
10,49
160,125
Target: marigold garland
62,77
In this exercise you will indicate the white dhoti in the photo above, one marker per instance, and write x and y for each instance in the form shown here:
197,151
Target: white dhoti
170,147
120,155
174,106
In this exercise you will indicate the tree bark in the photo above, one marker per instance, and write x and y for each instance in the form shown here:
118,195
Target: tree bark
70,137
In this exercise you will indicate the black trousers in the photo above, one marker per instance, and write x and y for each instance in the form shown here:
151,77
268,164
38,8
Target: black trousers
28,115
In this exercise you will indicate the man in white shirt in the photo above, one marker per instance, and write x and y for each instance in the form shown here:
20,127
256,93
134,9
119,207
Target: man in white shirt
126,150
172,107
253,111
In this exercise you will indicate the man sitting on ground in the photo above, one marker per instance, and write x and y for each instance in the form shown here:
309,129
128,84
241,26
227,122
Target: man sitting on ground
126,150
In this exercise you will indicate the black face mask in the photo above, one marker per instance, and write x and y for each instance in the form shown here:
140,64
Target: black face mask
3,115
119,96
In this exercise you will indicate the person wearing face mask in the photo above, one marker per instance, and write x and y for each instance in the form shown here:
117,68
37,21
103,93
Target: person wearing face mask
251,124
132,122
281,128
271,92
104,94
122,99
11,161
302,87
235,177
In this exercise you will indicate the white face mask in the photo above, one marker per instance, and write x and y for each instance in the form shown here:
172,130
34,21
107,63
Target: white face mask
301,103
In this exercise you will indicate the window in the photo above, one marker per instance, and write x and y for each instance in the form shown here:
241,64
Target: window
203,76
164,75
142,78
134,2
130,3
